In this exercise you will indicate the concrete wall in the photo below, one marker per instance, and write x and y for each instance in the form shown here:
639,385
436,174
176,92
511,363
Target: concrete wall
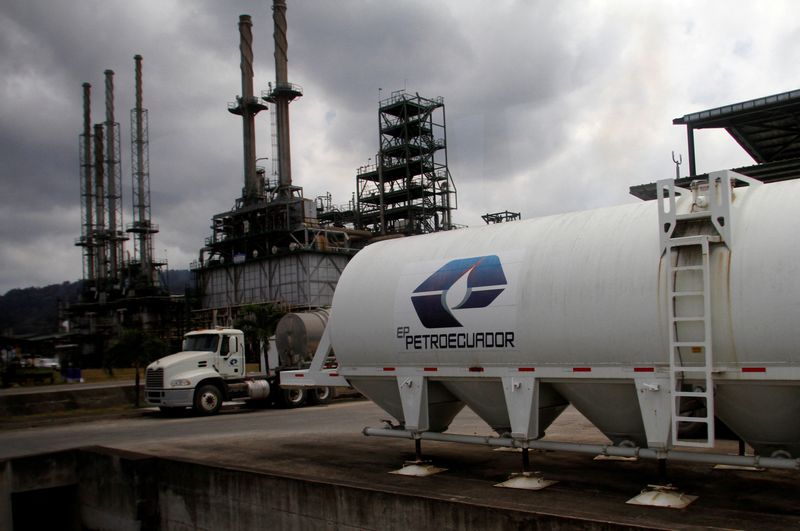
123,490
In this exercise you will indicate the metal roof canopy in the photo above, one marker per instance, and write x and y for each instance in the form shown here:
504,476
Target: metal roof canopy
767,128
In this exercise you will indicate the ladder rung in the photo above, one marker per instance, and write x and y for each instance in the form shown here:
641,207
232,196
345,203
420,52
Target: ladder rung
694,215
687,319
688,268
696,394
696,293
689,344
696,420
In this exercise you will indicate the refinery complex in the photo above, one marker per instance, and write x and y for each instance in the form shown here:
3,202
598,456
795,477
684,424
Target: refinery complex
651,344
276,246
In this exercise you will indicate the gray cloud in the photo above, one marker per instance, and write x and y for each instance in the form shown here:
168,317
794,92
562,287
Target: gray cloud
551,106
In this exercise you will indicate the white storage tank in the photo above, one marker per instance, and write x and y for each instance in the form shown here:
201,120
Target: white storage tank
297,335
581,301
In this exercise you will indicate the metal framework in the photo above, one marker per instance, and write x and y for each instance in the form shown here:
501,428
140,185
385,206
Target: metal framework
767,128
86,240
501,217
409,188
114,234
145,266
270,247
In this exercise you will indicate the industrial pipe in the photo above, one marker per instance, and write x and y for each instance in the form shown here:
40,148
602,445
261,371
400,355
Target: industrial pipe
592,449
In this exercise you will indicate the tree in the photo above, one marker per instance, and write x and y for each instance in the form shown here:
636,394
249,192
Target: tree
134,348
258,322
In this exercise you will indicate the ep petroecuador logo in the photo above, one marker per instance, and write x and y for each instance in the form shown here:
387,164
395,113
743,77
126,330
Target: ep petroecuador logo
485,281
463,304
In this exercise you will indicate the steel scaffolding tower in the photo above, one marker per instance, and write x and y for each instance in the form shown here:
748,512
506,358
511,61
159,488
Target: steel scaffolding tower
87,240
142,226
114,234
409,188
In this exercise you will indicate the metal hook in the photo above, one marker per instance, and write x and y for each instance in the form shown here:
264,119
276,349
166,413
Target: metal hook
677,162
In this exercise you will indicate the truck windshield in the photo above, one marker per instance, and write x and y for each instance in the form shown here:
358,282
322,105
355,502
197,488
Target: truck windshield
207,342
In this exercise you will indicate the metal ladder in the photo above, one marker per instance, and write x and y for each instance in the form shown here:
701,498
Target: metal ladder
696,367
691,357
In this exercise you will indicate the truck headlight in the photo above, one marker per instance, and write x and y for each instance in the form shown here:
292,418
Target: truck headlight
181,382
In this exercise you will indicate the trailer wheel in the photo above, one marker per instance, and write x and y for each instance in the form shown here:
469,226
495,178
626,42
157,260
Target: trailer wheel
320,395
294,397
207,400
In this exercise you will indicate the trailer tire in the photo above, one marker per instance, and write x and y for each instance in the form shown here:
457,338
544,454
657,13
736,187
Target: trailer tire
207,400
321,395
293,397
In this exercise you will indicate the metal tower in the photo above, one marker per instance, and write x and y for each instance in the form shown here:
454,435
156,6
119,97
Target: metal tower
269,248
409,188
100,237
87,241
114,235
142,226
281,95
247,106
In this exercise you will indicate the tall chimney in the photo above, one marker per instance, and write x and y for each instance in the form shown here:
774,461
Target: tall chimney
283,93
113,190
100,208
248,107
87,191
140,165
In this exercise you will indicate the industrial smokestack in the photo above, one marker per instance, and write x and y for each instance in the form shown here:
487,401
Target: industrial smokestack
113,189
283,93
281,43
88,192
246,104
140,165
100,209
140,205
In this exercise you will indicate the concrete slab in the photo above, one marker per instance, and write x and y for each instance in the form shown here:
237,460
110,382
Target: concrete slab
589,490
322,447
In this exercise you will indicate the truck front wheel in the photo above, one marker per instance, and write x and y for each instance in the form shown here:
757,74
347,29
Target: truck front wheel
294,397
207,400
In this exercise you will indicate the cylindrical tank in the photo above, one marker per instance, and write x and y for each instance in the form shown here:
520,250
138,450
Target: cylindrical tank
579,290
297,336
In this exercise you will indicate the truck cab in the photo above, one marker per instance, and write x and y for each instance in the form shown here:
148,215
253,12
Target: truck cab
211,368
204,373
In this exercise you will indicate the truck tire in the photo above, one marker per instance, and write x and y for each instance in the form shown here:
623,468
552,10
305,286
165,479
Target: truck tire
293,397
320,395
207,400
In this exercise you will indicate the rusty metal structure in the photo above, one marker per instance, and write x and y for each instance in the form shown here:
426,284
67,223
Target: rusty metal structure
270,248
500,217
408,189
119,292
142,270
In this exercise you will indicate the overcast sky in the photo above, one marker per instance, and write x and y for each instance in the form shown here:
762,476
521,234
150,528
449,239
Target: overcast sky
552,106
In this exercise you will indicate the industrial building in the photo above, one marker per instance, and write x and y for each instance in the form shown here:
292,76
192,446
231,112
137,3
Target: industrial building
277,246
270,248
119,290
408,189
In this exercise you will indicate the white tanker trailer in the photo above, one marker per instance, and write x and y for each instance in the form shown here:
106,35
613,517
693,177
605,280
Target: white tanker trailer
648,318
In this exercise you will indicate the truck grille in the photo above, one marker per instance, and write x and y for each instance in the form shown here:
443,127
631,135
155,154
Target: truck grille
154,379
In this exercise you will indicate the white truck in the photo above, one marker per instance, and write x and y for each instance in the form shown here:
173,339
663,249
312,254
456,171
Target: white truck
211,369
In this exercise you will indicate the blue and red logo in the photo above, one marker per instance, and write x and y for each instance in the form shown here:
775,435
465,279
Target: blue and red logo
485,282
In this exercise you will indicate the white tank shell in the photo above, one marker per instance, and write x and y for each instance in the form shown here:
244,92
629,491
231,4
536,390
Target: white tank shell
582,288
579,291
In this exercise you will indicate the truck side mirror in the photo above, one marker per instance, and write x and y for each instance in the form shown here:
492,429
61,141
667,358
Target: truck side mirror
233,345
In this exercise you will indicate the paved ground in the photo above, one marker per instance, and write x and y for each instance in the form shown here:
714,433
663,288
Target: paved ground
324,444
